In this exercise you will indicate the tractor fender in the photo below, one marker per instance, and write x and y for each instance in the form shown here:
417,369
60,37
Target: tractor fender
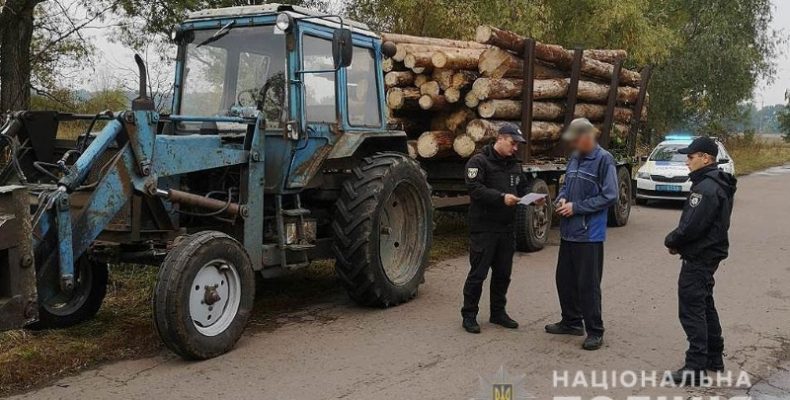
352,143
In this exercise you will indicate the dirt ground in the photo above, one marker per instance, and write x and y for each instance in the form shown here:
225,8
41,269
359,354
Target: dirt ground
334,349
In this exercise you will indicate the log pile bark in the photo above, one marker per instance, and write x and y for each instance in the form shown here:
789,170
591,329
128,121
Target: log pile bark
451,97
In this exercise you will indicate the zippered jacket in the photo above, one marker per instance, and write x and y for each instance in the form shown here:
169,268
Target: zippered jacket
489,177
591,185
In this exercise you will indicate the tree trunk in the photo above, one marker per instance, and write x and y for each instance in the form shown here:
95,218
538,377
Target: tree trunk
433,102
398,98
431,88
461,44
412,126
482,130
399,78
516,43
16,34
404,49
509,88
464,79
443,77
464,146
466,59
457,120
498,63
511,109
418,60
411,145
452,95
435,144
471,100
420,79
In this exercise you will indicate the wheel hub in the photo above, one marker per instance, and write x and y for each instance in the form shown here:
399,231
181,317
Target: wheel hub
214,297
399,234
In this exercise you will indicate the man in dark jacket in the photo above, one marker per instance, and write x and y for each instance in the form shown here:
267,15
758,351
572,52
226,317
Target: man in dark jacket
589,189
702,242
495,182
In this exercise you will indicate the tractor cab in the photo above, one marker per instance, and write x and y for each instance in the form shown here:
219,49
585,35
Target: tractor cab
311,76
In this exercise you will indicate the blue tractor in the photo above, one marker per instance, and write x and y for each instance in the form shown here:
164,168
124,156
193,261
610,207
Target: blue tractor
277,153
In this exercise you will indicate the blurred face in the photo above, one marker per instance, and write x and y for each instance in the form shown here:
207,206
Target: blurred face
698,160
505,145
585,143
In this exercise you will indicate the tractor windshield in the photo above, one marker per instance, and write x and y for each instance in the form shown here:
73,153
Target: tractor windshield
226,74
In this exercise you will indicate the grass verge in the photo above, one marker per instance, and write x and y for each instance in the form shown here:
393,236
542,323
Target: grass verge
123,329
753,154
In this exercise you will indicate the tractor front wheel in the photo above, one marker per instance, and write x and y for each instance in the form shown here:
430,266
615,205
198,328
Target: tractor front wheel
383,228
64,310
203,295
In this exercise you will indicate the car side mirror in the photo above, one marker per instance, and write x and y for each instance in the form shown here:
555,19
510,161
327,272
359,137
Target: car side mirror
724,161
642,158
342,49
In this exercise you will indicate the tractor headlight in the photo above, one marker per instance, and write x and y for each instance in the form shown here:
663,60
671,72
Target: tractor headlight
283,22
643,175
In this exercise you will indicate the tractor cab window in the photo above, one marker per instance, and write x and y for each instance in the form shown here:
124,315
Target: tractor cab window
363,102
319,88
229,73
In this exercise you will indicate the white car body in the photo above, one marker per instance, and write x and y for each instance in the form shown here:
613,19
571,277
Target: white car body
664,176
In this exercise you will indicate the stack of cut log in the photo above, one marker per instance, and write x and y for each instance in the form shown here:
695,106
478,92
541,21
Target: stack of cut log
451,96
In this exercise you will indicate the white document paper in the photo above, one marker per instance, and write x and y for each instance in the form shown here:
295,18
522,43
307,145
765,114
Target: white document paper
531,198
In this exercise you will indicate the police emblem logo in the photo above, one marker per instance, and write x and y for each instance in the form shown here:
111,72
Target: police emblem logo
695,199
471,173
502,391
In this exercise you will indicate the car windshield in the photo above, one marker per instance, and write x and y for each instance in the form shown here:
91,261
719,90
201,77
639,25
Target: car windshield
226,72
668,153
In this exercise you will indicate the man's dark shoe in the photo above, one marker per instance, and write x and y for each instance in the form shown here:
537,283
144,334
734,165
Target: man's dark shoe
592,342
503,320
561,329
688,376
471,326
715,363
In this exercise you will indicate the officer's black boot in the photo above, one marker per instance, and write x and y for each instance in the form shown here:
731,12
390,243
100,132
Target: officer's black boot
504,320
592,342
470,325
688,376
715,363
561,329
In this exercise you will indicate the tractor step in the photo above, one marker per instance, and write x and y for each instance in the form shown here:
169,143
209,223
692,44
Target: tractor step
296,212
296,266
299,247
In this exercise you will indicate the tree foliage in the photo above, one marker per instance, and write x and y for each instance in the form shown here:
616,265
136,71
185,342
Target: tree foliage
708,54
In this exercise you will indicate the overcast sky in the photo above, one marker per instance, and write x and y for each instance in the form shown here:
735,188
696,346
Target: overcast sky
113,55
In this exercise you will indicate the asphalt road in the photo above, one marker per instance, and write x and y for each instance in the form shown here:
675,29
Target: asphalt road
418,350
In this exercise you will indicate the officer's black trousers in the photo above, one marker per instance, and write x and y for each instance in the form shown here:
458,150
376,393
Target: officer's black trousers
579,272
492,250
698,313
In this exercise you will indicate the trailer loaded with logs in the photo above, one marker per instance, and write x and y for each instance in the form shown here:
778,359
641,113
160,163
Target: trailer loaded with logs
452,96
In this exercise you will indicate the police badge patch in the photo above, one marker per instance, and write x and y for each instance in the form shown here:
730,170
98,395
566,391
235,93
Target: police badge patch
695,199
471,173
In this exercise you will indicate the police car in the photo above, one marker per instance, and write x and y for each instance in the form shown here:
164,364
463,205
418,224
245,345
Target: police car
664,176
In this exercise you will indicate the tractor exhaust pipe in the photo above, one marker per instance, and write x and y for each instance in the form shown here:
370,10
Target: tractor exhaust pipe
142,102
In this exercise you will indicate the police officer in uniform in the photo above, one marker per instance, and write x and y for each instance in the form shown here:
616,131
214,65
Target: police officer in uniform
702,242
495,182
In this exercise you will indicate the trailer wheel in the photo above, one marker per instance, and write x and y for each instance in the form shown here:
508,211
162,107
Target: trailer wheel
620,211
533,222
82,304
383,228
203,295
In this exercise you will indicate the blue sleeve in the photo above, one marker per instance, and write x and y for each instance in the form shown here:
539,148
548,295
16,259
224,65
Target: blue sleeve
608,195
561,194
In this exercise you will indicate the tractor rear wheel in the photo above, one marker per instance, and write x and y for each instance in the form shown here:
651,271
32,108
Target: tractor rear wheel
82,303
383,230
532,221
620,211
203,295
